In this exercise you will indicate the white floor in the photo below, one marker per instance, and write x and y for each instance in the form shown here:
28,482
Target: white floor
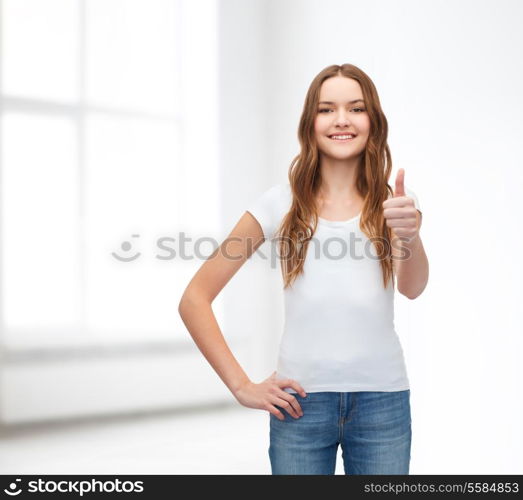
226,440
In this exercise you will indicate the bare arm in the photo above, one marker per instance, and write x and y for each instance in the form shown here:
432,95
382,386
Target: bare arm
195,306
195,309
413,272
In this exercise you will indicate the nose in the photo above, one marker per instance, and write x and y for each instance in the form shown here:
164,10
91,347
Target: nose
342,118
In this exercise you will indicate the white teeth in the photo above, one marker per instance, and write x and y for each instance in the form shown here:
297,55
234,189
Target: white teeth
342,137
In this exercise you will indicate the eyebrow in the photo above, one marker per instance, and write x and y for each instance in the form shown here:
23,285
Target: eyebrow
349,102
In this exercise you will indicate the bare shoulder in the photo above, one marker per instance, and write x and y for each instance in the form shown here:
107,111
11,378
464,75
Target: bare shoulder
242,241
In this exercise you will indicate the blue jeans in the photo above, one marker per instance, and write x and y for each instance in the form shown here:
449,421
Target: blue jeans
373,428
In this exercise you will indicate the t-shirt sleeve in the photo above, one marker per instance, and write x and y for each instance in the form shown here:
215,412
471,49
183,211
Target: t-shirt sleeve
412,194
266,210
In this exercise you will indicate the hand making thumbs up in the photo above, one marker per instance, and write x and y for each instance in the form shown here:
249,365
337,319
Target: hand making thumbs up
400,212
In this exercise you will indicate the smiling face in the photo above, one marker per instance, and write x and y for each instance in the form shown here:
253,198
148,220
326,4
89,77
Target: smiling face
341,111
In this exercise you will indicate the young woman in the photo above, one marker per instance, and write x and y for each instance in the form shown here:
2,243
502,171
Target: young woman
345,238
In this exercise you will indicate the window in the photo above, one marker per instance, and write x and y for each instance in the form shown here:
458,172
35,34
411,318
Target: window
102,107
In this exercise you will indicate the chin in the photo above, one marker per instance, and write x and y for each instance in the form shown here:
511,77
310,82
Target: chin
337,155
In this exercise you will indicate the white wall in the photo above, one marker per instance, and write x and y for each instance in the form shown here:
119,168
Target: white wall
449,76
251,310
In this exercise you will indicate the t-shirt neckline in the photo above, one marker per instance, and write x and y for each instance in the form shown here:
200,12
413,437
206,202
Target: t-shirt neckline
338,222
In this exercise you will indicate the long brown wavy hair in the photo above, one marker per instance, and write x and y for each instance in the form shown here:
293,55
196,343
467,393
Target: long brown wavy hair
299,224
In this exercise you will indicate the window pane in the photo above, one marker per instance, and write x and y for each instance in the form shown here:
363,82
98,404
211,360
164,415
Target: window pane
40,48
133,178
131,46
40,265
201,200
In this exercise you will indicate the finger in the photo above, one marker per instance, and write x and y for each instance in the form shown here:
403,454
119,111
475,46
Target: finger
399,212
292,400
402,222
277,413
286,405
292,383
399,201
400,183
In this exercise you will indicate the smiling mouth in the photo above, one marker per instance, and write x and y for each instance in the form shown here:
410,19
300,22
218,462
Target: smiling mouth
342,138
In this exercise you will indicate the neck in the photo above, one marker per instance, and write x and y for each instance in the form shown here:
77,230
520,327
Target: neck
338,179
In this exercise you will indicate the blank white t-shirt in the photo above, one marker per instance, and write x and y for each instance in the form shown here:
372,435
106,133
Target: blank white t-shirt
339,330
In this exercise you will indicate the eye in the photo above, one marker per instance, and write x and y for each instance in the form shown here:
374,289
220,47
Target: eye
360,110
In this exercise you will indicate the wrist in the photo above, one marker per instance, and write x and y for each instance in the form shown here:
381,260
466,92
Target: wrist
239,386
411,242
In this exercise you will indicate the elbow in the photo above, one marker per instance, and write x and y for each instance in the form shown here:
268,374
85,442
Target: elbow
183,305
406,293
412,289
184,311
189,300
180,308
411,294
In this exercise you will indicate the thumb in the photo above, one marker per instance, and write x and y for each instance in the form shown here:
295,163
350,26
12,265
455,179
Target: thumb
400,183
